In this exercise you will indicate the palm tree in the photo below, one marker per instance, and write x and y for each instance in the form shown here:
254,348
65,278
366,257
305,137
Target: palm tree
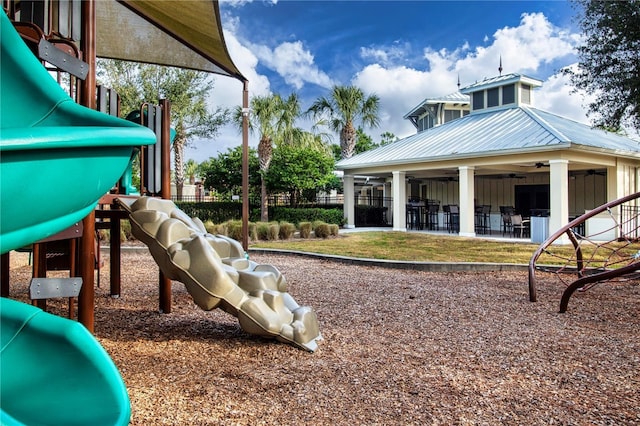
346,105
191,170
274,119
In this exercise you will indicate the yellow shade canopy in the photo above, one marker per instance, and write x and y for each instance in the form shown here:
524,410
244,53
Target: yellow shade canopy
180,33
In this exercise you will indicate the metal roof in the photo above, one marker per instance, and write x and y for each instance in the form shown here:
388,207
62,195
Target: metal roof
511,130
501,80
452,98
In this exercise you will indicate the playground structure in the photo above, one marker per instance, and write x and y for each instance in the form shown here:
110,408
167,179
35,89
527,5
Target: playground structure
217,273
155,158
60,144
54,144
605,248
64,377
166,33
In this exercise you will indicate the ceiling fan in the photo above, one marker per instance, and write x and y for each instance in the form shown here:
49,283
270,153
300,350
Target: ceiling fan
447,179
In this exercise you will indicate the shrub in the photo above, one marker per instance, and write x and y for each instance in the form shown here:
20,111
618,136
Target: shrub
104,234
305,229
317,223
334,229
253,231
287,230
125,231
210,227
322,230
218,212
262,231
221,229
299,215
234,229
274,231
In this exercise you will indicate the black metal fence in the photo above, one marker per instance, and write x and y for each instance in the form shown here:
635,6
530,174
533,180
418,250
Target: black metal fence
372,211
286,201
630,221
369,210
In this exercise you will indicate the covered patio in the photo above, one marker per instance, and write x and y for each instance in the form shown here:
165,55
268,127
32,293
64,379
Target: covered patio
505,153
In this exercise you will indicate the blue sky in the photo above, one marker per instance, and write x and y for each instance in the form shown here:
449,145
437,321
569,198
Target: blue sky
403,51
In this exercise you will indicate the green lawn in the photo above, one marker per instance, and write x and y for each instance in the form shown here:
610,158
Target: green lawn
410,246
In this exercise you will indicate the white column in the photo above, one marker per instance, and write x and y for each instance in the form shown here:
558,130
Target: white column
387,194
559,197
616,183
399,188
467,204
349,201
617,187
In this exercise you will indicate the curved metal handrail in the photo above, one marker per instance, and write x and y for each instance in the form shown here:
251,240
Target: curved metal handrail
580,264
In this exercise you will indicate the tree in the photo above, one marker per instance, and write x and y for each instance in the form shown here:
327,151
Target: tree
191,170
187,91
345,106
364,143
224,173
300,169
609,61
274,119
387,138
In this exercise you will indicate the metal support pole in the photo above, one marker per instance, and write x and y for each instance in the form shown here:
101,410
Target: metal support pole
86,299
164,285
114,256
245,166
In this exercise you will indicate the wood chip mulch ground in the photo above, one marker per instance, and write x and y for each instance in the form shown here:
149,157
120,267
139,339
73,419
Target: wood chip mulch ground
399,348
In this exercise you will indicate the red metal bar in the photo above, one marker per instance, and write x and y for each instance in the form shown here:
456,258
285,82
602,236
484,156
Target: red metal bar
39,269
568,230
165,140
114,255
590,279
86,299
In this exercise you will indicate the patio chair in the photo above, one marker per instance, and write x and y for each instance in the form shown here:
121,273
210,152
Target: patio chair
507,227
519,225
454,219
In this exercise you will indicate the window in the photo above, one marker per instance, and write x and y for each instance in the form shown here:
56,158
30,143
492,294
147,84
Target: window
478,100
493,97
525,94
425,123
508,94
451,114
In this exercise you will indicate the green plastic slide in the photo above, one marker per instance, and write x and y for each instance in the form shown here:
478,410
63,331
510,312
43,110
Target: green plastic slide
54,372
57,158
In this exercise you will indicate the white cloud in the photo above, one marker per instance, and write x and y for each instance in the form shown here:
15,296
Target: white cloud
400,89
534,47
387,55
227,93
239,3
556,96
294,63
534,44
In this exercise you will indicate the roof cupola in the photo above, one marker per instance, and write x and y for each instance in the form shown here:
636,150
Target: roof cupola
504,91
